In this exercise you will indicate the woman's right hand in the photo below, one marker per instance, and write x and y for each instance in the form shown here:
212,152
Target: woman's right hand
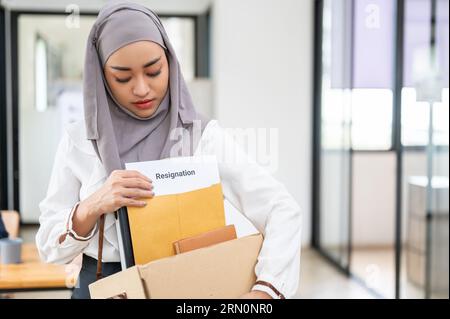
122,188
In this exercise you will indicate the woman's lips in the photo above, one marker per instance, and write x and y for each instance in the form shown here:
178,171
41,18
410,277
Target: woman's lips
144,104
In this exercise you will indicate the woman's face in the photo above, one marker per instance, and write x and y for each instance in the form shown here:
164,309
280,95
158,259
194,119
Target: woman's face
138,76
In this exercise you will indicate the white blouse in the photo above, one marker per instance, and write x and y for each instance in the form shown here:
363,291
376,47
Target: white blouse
77,173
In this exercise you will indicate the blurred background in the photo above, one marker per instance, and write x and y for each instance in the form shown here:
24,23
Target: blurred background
357,91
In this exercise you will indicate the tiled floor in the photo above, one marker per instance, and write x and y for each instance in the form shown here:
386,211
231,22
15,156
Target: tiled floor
376,267
321,280
318,279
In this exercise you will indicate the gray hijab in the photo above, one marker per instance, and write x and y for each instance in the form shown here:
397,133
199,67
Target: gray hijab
118,135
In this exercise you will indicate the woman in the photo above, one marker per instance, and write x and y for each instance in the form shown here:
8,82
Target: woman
135,102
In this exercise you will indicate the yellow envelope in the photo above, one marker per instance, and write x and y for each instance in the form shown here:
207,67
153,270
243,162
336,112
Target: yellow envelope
168,218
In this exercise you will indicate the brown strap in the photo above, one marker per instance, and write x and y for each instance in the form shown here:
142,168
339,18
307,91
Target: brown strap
100,246
267,284
122,295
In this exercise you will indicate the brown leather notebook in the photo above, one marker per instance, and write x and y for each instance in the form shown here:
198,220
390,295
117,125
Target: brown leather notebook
205,239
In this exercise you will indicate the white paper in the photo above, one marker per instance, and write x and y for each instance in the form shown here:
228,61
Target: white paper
179,174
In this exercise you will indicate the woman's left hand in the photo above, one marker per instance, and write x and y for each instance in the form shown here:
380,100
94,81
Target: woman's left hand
256,294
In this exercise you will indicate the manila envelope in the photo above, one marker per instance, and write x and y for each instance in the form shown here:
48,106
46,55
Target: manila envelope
168,218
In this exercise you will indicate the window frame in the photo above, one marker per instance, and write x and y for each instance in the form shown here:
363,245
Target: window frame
3,120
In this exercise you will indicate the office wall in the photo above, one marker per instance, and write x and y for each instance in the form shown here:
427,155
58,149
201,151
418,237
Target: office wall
262,78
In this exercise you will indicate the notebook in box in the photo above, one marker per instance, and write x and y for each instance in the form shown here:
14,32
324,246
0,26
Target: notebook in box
206,239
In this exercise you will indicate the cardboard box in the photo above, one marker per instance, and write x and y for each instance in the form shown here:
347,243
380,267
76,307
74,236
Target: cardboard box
225,270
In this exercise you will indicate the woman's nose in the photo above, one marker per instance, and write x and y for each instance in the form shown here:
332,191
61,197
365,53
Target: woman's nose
141,88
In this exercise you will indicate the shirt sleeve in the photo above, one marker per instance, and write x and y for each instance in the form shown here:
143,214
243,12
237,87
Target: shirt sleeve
268,290
71,232
271,209
57,209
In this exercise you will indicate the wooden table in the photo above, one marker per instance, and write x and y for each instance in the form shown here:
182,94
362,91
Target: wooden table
33,274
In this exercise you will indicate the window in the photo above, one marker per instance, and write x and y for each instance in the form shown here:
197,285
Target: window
415,114
181,32
372,119
369,42
373,69
362,37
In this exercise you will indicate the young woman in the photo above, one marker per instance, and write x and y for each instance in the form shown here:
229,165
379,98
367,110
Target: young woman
135,98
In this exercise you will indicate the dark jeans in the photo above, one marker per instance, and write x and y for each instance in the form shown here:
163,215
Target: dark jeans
87,276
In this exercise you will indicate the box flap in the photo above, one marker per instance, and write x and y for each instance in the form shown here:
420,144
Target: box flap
224,270
125,282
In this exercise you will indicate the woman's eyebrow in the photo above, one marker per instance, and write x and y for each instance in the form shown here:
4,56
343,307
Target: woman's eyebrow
124,68
151,62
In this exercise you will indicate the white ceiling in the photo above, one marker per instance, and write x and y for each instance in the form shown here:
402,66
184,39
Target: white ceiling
187,7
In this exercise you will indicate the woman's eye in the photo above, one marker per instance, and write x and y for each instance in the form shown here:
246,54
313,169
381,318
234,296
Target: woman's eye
123,80
152,75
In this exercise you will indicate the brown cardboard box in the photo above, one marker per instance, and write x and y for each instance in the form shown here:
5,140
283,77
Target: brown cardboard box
225,270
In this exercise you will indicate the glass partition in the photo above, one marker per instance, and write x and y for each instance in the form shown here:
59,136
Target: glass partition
335,112
425,107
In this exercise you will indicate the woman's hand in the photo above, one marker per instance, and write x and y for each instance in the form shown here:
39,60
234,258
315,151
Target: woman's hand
256,294
122,188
